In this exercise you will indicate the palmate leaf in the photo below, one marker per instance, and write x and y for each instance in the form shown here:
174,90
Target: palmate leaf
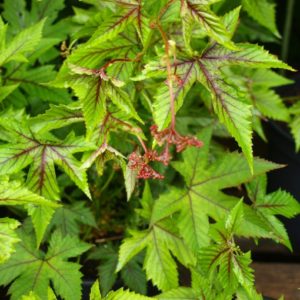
8,238
42,154
32,270
202,197
266,206
160,239
229,103
233,113
40,209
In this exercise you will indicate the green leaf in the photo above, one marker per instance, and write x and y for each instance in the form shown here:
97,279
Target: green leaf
13,11
108,259
125,295
93,90
114,25
69,218
235,218
13,193
263,12
134,277
40,217
130,181
6,90
160,239
179,294
131,247
161,106
233,265
248,55
34,83
42,153
209,22
235,114
202,197
56,117
295,129
257,86
8,238
24,42
46,8
266,206
95,291
31,270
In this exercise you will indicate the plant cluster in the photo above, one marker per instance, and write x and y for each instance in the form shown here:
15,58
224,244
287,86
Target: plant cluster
126,103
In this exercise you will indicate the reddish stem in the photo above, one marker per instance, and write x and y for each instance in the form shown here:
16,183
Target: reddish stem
169,79
142,143
116,60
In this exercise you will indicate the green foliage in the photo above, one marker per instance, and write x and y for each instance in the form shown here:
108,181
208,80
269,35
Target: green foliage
31,269
263,12
138,90
132,274
8,237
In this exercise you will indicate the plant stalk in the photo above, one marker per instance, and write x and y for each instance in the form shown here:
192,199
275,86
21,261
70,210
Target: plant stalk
287,30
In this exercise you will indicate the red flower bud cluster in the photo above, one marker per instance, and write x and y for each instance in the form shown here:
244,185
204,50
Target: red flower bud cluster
140,163
170,136
166,137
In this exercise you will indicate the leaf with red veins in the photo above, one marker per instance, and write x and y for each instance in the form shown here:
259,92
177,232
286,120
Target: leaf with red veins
114,25
210,23
41,156
186,75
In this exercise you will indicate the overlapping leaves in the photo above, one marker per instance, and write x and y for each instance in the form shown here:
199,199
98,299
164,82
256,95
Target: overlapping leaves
190,208
203,197
227,100
161,239
41,153
266,207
